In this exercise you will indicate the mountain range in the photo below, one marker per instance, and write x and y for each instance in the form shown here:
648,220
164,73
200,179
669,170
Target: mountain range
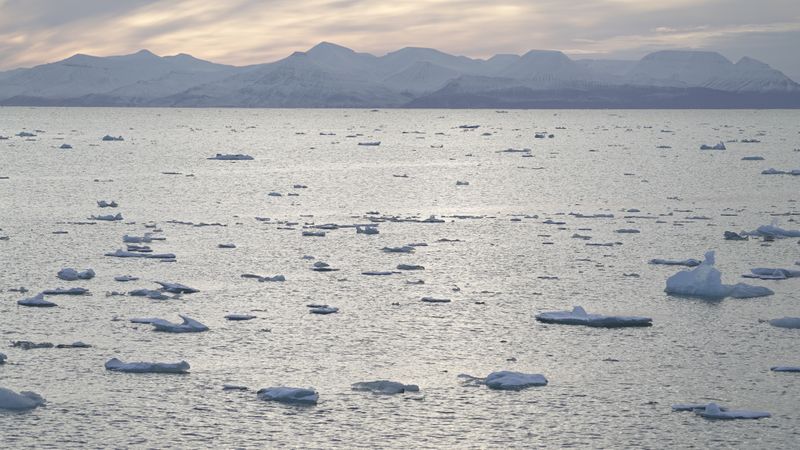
332,76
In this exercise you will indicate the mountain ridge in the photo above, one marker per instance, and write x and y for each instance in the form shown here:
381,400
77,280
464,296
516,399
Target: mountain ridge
330,75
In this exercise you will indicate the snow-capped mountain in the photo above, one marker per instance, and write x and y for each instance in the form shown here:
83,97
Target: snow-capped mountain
329,75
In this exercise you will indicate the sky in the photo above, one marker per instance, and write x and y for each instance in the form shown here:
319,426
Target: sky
242,32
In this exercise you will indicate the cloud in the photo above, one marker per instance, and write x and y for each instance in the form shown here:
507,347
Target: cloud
254,31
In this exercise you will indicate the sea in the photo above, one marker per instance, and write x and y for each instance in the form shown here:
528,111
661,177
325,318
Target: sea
503,234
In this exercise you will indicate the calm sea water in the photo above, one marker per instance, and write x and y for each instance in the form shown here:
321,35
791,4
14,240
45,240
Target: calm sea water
608,388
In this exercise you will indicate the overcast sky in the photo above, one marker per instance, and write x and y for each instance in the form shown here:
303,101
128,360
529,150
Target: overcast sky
243,32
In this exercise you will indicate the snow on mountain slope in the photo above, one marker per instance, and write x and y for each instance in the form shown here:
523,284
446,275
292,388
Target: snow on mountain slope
81,75
422,76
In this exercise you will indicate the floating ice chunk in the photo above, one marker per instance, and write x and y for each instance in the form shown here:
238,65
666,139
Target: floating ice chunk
229,245
231,157
410,267
578,316
403,249
124,278
3,358
105,204
70,291
65,146
149,293
772,171
691,262
775,230
176,288
462,183
76,344
777,273
275,194
323,309
786,322
28,345
366,230
234,387
36,301
276,278
718,146
289,395
415,282
146,239
108,137
706,281
25,400
70,274
514,381
785,369
188,325
378,273
713,411
384,387
435,300
107,217
752,158
116,365
627,231
370,143
733,236
240,317
119,253
314,233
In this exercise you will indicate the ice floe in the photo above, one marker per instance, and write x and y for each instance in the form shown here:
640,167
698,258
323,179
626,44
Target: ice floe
410,267
706,281
108,137
70,274
116,365
176,288
507,380
775,231
435,300
366,230
240,317
107,217
718,146
578,316
188,325
785,369
70,291
714,411
290,395
322,309
384,387
124,278
231,157
119,253
772,274
691,262
36,301
105,204
786,322
10,400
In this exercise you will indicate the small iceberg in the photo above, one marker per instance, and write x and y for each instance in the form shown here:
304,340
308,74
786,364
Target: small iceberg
176,288
366,230
105,204
718,146
578,316
76,344
226,245
733,236
314,233
276,278
786,322
384,387
378,273
322,309
25,400
507,380
231,157
119,253
691,262
116,365
714,411
149,293
108,137
70,274
188,325
3,358
435,300
705,281
239,317
37,301
70,291
775,231
370,143
65,147
785,369
410,267
403,249
107,217
752,158
772,274
462,183
124,278
289,395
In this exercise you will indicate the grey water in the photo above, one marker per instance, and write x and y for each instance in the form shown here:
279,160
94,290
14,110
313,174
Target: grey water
503,264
